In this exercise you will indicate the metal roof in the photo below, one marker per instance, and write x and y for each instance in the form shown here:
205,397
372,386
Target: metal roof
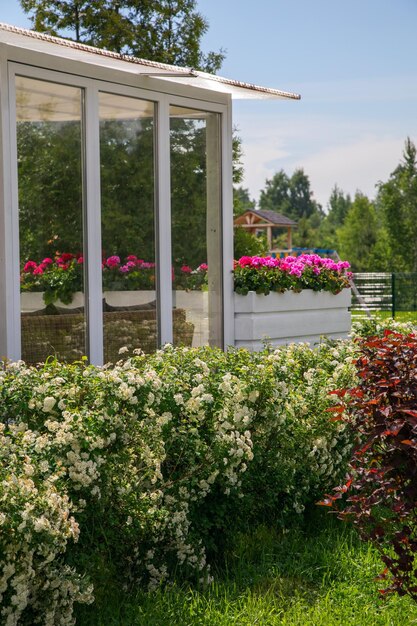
14,35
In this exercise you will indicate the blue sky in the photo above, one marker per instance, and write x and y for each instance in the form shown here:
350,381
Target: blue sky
354,64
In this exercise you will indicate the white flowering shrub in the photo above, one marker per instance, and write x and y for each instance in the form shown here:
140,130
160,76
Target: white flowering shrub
140,467
374,326
298,449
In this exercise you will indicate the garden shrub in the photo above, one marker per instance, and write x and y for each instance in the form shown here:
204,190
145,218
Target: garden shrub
381,486
139,468
372,326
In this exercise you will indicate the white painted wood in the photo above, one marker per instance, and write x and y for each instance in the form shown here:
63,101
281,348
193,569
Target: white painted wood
163,223
214,229
50,57
92,228
291,301
10,343
44,64
227,201
290,317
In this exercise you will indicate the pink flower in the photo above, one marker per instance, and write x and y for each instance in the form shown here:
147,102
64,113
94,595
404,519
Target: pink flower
67,256
203,267
80,260
132,257
38,270
245,260
29,267
47,261
186,269
113,261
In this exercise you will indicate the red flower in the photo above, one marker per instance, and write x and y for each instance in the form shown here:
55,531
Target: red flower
67,256
29,267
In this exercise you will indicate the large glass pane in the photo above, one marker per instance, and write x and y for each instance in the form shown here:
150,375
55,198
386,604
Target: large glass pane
196,227
128,224
49,151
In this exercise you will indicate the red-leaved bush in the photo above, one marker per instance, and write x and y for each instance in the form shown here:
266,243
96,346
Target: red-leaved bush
380,493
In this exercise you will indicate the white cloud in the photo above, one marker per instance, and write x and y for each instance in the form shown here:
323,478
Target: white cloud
353,166
353,153
359,165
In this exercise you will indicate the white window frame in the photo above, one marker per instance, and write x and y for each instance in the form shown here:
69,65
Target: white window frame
10,331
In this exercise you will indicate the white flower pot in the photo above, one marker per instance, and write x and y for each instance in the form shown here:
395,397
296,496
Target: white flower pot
282,318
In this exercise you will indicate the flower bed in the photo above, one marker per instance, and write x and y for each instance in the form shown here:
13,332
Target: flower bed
307,271
61,277
292,299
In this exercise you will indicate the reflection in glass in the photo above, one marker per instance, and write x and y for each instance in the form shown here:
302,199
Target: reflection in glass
49,152
128,224
196,223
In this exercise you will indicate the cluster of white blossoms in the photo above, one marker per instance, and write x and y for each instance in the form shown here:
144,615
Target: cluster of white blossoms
128,455
36,525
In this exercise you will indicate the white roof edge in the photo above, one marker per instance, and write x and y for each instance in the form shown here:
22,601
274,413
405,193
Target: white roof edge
266,91
184,75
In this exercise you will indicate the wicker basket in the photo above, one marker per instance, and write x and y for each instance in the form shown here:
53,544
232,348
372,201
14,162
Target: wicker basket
64,336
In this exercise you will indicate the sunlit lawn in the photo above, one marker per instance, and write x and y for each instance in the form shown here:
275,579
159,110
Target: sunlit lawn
400,316
322,575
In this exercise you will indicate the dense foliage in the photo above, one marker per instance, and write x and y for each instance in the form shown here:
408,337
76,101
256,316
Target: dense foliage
168,31
137,469
307,271
381,486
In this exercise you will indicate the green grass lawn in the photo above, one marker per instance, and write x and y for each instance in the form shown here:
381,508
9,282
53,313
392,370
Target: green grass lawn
319,576
400,316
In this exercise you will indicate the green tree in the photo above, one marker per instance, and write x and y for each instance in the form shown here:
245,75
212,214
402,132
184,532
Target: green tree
302,203
127,187
290,196
276,195
246,244
397,204
359,235
50,197
168,31
242,201
338,207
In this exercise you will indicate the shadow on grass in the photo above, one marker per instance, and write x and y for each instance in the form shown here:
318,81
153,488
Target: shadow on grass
320,574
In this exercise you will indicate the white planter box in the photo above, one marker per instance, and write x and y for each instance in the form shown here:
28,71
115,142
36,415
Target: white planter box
282,318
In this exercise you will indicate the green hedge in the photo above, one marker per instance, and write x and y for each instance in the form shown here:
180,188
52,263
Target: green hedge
148,467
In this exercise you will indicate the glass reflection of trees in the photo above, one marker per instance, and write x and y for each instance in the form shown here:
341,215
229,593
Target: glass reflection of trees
189,191
127,187
50,193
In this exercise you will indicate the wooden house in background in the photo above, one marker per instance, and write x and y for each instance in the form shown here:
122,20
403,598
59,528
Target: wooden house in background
260,221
